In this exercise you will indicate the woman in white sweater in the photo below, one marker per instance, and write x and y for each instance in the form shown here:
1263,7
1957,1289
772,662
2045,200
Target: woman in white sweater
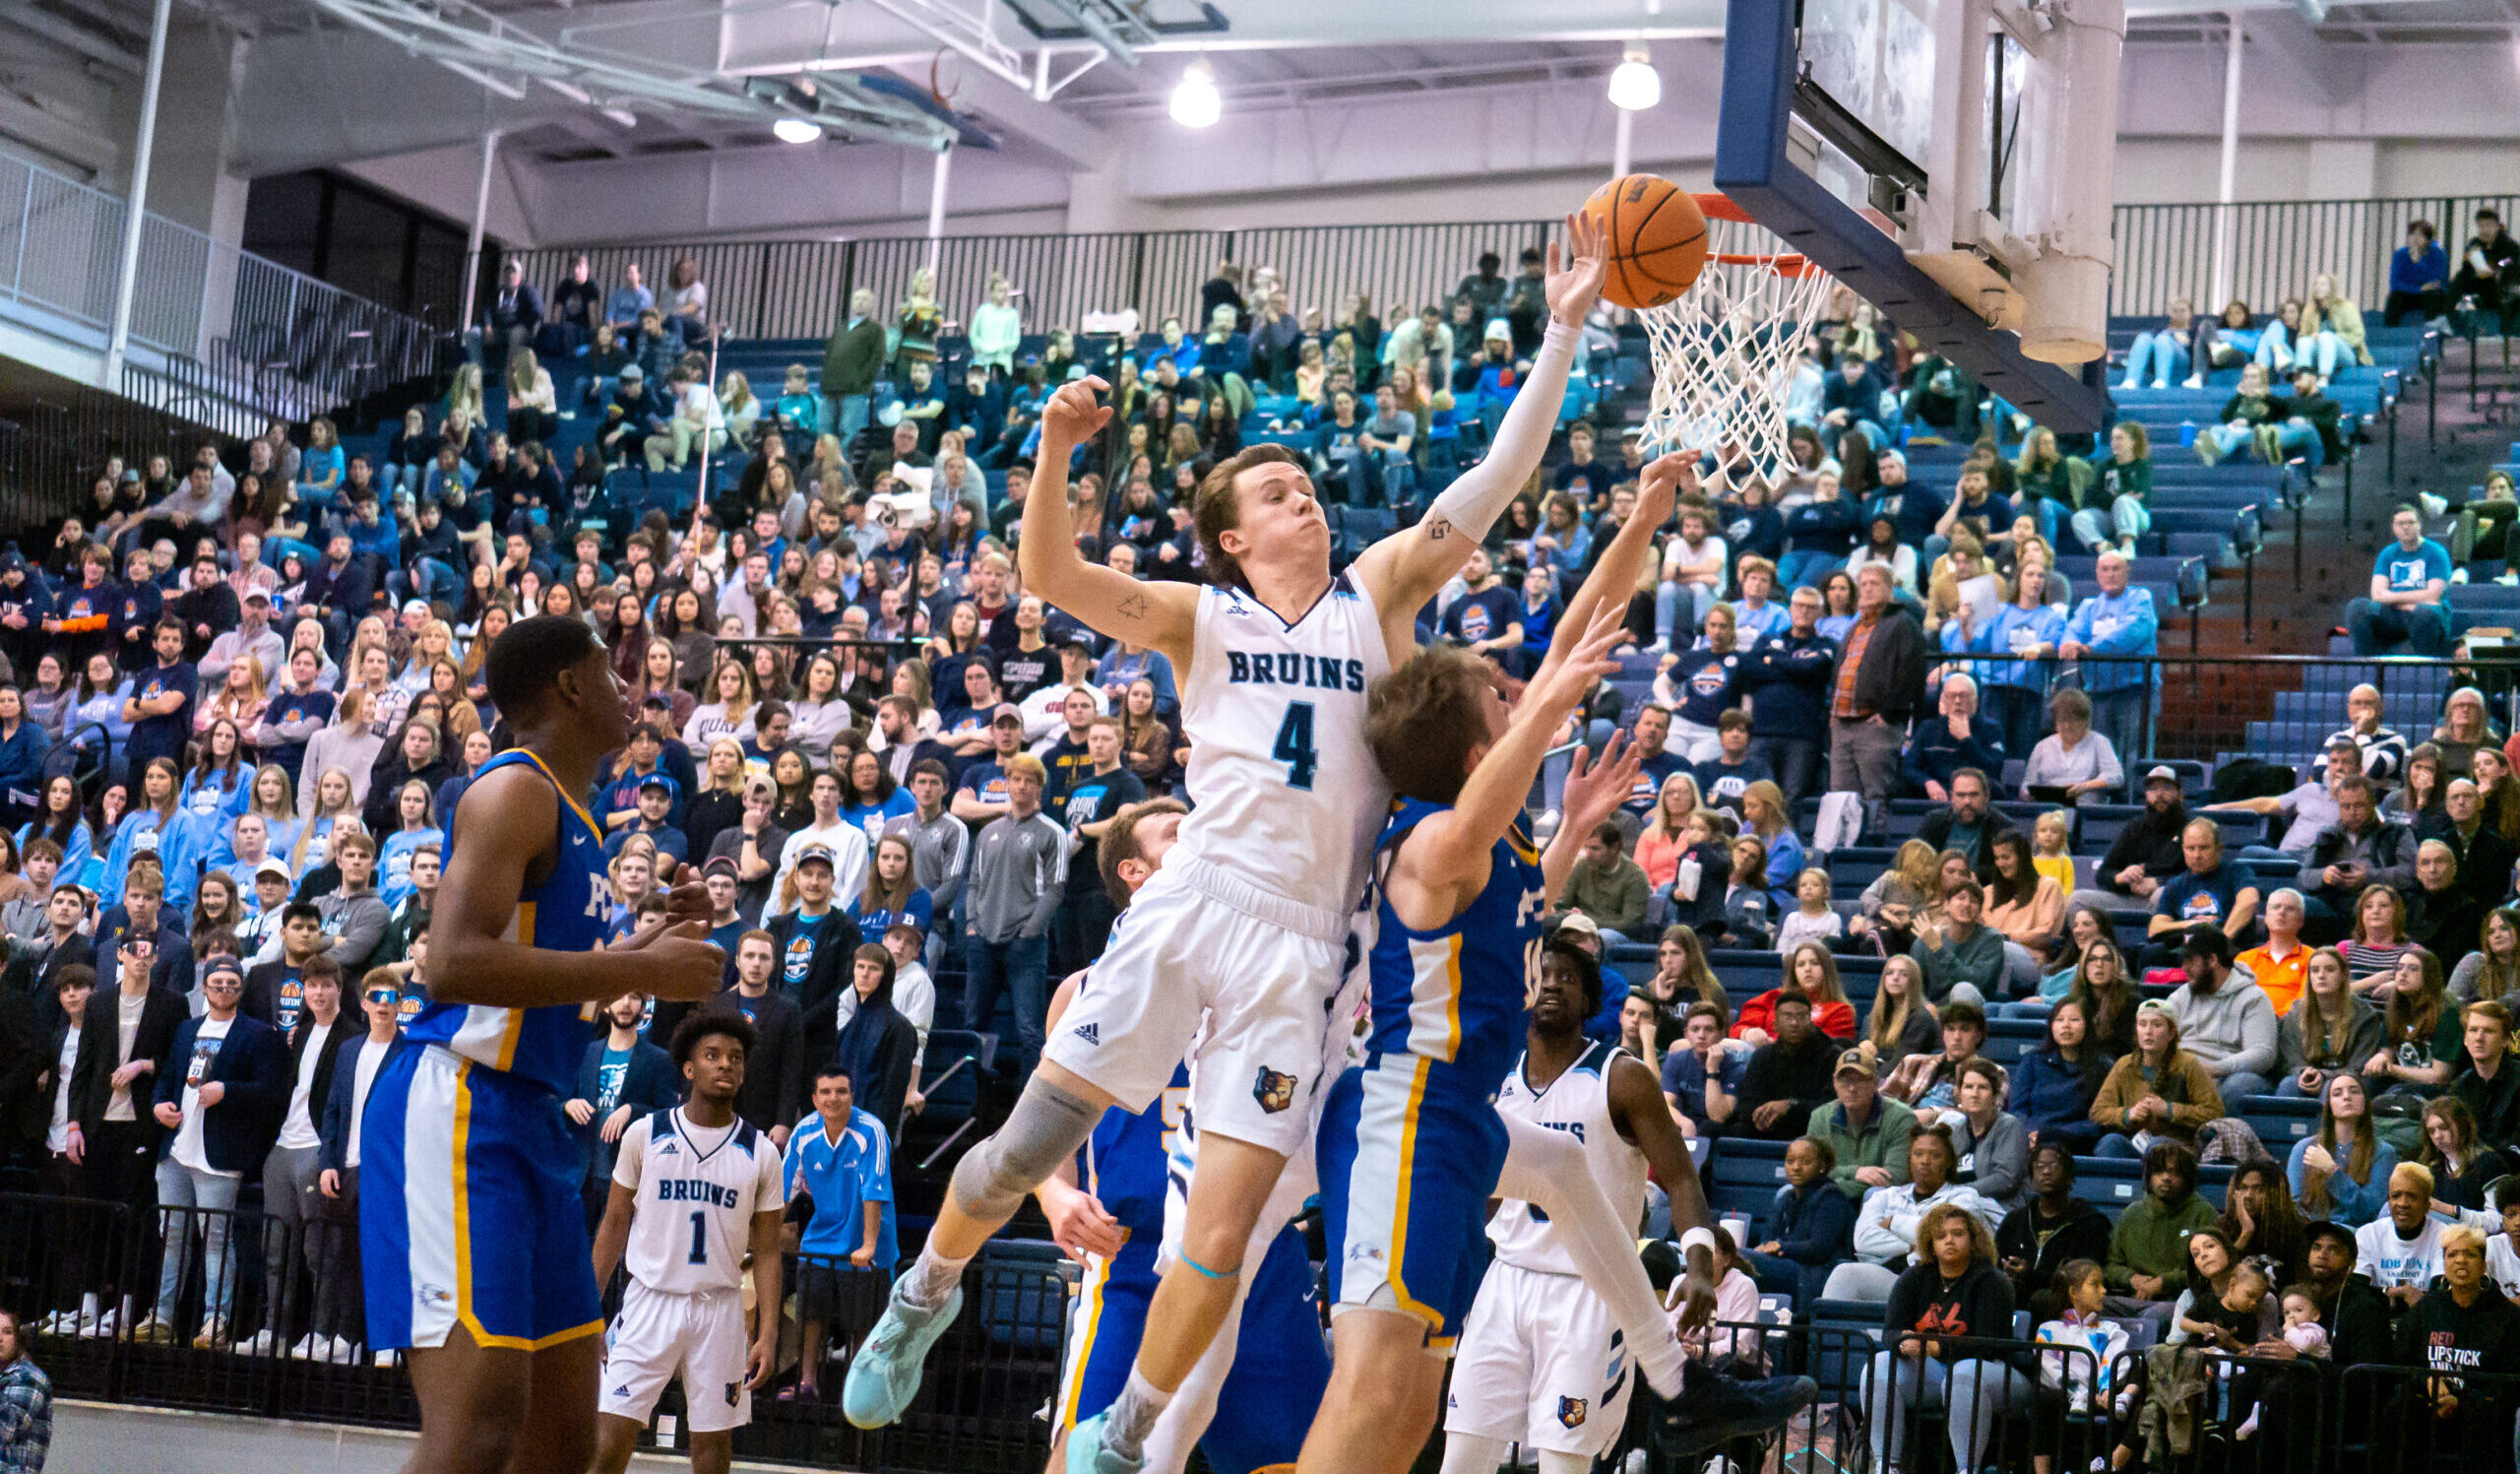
996,329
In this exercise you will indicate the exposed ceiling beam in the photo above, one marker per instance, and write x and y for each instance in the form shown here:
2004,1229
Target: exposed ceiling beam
27,16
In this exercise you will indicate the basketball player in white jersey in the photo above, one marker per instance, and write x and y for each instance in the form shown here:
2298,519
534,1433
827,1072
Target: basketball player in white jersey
695,1191
1541,1363
1241,939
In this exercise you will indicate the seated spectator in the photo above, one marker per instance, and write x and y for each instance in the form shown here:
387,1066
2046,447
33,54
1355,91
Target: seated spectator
2280,966
2441,916
2378,940
1725,777
2051,1229
1954,1290
2464,730
2157,1093
2487,1081
2384,751
2400,1251
1968,825
2147,1250
1993,1145
1902,1023
2209,895
2463,1167
2421,1033
1811,919
2405,606
2332,1177
2361,850
2054,1086
2332,1029
2072,764
1930,1083
1955,741
1748,914
1607,886
2484,853
2489,268
2166,355
2462,1328
1967,962
1702,1075
2260,1221
2026,906
2306,808
1788,1080
1886,1221
1809,1227
2122,484
1813,972
2492,970
2419,278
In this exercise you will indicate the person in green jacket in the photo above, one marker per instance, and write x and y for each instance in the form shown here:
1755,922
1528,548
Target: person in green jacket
1868,1131
2148,1251
850,362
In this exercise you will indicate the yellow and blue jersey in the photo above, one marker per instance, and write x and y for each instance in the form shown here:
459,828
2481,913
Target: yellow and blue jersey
1457,994
569,912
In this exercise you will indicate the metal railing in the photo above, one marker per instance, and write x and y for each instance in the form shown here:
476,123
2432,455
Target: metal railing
800,288
230,324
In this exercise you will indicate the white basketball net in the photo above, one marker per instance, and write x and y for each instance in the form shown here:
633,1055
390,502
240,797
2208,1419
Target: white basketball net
1726,350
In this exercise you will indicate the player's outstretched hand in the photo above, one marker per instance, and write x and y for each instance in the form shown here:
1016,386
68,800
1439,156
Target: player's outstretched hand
679,962
1575,269
1595,790
1072,413
1658,491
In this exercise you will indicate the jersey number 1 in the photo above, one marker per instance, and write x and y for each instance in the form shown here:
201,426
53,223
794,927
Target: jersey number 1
700,1237
1294,746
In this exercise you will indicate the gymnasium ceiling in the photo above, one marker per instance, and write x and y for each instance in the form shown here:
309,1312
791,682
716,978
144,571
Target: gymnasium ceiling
323,82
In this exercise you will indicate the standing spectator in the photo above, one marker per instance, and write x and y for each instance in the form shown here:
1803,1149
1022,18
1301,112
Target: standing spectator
1019,870
878,1044
2419,278
622,1078
996,328
338,1311
26,1404
774,1089
851,363
814,944
1093,800
224,1083
1874,691
159,707
840,1171
2410,579
1787,676
2116,621
515,312
292,1170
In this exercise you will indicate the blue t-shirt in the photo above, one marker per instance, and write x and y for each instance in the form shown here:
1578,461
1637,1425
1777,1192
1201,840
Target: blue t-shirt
2408,572
2190,897
163,736
1649,780
1722,784
1708,684
842,1177
610,1074
1684,1078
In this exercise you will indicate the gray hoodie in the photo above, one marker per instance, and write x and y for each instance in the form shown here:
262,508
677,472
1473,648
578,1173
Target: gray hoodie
2228,1030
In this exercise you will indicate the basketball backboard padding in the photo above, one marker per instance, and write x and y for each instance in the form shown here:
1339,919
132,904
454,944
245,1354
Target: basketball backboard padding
1973,283
1753,169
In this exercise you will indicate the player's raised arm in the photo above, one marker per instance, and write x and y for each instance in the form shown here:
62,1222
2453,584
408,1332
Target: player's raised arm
1637,1106
1405,569
508,821
1156,614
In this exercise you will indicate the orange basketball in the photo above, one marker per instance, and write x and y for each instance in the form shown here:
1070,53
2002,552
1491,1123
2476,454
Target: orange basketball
1655,236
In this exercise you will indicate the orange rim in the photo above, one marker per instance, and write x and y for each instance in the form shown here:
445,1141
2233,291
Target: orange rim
1715,206
1788,266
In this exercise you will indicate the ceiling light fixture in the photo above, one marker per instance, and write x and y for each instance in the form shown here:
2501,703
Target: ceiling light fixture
796,130
1195,102
1634,85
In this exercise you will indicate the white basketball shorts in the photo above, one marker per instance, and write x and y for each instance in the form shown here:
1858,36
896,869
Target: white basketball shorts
660,1336
1539,1364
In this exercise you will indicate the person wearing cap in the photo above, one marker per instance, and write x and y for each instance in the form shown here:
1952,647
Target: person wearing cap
2147,850
634,413
2159,1093
2355,1315
2226,1021
980,798
221,1091
813,941
1047,717
726,924
2361,849
248,632
655,820
1018,871
1867,1132
1788,1083
842,839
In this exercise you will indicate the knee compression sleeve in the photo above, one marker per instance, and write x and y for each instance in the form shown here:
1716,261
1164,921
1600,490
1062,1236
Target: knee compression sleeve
1045,1128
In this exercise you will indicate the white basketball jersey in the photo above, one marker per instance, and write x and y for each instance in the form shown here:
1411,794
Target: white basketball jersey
1284,792
1576,1102
697,1189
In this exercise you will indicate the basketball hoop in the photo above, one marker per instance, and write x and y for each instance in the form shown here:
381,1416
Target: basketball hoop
1726,350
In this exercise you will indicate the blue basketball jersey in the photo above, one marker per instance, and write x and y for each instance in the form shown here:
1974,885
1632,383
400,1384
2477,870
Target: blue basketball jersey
1128,1159
566,913
1458,995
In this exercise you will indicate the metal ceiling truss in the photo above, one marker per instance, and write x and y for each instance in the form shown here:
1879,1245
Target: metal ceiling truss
505,59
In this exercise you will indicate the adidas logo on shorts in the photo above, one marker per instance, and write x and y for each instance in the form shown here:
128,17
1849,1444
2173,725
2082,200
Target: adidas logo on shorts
1090,1034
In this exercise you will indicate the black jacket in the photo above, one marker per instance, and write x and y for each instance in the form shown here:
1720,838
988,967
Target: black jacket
1779,1073
775,1091
650,1085
818,996
2150,840
253,1064
1890,680
2485,859
347,1026
2082,1234
879,1047
91,1086
1936,831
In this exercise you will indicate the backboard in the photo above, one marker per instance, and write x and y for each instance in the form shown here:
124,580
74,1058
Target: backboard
1952,161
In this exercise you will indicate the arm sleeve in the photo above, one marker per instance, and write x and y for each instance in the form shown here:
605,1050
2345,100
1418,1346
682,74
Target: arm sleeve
958,848
1479,495
627,1163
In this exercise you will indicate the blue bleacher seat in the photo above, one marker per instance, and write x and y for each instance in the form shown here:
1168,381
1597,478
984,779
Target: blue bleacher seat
1745,1177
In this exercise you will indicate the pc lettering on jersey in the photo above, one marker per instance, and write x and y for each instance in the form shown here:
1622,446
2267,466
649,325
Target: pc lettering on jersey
1311,672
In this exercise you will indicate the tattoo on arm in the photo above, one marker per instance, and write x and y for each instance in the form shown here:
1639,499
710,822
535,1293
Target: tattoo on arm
1134,607
1438,530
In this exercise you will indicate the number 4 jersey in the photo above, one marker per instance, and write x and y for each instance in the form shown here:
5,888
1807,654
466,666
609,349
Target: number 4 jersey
1284,792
